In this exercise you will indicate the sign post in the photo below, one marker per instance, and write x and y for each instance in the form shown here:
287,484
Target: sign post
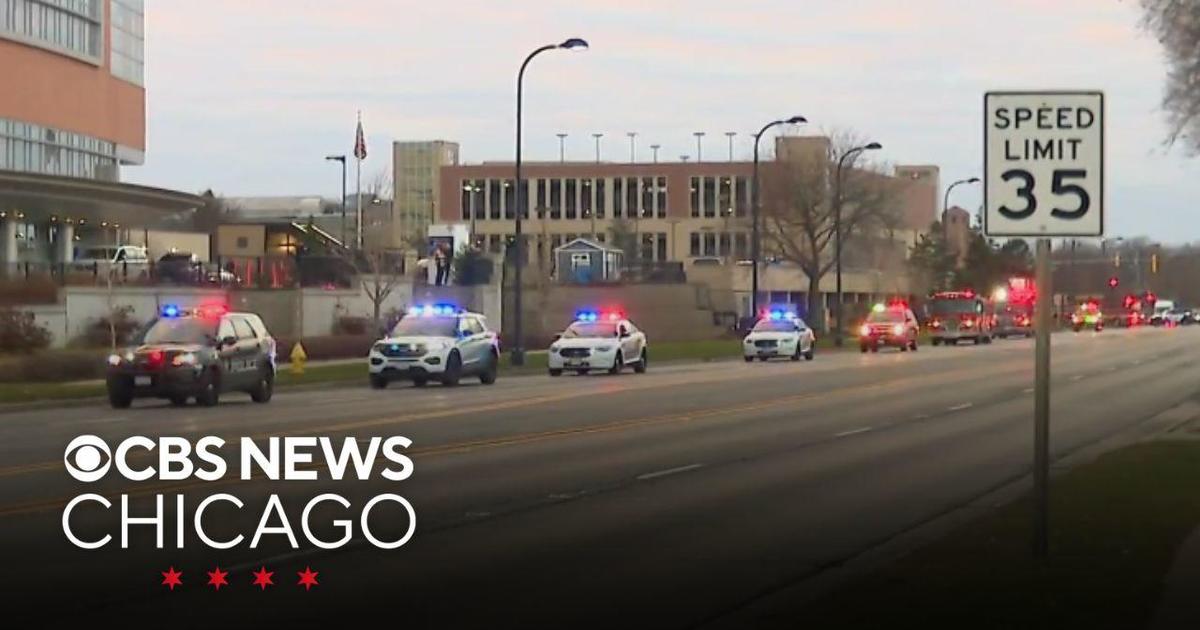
1044,178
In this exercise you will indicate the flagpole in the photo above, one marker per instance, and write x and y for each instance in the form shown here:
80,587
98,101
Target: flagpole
358,183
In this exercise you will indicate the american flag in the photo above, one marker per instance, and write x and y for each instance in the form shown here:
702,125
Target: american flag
360,143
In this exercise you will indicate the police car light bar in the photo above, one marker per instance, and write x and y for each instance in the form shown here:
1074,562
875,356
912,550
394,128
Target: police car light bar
594,316
431,310
170,311
778,314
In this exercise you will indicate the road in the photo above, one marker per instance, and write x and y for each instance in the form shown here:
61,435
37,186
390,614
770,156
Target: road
668,500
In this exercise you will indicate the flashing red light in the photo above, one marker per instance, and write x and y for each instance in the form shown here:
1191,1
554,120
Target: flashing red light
936,323
155,357
967,322
864,331
1113,282
1151,298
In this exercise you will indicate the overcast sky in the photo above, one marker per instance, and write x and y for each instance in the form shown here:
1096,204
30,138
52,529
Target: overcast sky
247,96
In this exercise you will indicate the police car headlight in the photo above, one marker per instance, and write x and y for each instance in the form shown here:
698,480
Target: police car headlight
187,358
604,349
114,360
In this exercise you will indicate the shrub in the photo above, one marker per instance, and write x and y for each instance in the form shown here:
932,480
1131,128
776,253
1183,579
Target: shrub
20,332
99,335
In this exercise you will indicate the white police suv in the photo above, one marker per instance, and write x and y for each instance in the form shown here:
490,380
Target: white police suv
598,341
435,342
779,333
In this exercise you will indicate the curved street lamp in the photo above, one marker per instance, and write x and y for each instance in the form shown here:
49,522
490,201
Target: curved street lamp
837,233
755,245
518,352
946,197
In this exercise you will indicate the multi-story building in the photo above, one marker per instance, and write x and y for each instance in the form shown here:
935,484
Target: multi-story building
694,213
72,113
416,189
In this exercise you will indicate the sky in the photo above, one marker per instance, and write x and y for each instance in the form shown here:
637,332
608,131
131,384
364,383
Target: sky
246,97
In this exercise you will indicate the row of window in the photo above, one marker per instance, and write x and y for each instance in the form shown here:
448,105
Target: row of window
128,55
653,246
72,26
720,196
35,149
571,198
719,244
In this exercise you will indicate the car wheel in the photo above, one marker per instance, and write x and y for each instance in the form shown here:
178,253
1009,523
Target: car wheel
796,355
177,400
987,339
904,347
265,388
554,372
420,382
378,381
913,345
453,371
618,365
863,348
937,342
640,368
808,354
120,394
210,390
488,375
749,359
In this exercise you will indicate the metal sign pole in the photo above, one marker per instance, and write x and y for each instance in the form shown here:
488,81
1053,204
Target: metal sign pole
1041,405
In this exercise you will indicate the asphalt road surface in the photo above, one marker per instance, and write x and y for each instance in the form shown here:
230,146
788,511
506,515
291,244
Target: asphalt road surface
669,500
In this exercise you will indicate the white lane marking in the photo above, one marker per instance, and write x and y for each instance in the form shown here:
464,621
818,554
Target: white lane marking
960,407
670,471
852,432
921,416
1137,362
1077,377
1027,390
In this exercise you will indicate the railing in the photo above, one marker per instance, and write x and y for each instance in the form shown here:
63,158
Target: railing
263,272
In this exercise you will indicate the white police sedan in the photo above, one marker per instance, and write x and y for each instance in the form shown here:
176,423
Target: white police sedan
779,334
435,342
598,341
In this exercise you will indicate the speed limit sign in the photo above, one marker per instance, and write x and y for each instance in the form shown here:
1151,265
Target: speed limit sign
1043,164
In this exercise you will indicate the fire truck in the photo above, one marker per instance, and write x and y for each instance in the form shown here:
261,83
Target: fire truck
1014,304
959,316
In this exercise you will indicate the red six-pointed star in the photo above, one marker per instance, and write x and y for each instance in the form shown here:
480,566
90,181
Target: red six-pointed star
262,578
308,578
216,579
171,578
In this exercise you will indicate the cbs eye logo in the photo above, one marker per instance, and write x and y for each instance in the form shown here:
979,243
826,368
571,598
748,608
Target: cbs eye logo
87,458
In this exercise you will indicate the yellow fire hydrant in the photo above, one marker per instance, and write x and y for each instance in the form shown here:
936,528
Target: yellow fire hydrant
298,357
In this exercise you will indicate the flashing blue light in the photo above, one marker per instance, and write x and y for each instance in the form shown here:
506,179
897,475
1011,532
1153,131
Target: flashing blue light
431,310
587,316
395,347
170,311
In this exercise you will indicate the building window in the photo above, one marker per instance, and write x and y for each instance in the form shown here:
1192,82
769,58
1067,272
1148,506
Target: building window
127,57
555,199
585,198
661,245
494,244
742,190
35,149
661,196
510,198
71,27
723,241
618,197
710,194
601,186
493,199
647,197
631,197
572,190
694,244
524,203
725,196
477,198
540,205
647,249
467,199
695,199
740,246
710,244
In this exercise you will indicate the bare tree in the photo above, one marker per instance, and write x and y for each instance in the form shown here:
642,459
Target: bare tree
378,274
1176,24
798,208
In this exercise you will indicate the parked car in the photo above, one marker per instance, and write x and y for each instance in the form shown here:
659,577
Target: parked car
127,258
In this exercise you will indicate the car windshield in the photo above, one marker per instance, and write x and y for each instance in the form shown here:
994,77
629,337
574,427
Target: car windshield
888,317
183,330
590,329
777,325
420,326
952,306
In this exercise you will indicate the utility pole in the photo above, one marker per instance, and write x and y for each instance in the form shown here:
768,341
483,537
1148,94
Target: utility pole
632,147
655,148
597,136
562,153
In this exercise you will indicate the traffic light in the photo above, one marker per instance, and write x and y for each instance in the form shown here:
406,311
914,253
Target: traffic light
1117,260
1153,263
1113,282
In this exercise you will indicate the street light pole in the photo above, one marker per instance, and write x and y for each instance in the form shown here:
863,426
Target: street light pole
699,145
946,198
730,135
837,234
342,159
755,245
655,148
518,352
632,151
597,136
562,152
